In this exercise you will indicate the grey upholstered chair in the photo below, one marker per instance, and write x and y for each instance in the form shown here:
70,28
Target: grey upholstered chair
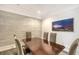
45,35
28,36
53,37
19,47
73,47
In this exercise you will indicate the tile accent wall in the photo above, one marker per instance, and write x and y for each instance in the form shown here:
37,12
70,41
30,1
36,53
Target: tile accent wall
11,24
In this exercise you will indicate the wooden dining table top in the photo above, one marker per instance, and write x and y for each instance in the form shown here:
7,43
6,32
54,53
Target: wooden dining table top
41,47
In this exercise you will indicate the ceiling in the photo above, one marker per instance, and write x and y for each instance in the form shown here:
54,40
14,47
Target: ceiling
39,11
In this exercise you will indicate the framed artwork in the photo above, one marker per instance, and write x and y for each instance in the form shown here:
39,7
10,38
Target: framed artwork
63,25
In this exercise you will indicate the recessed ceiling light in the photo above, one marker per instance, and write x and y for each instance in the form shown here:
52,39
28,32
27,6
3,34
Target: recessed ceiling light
39,12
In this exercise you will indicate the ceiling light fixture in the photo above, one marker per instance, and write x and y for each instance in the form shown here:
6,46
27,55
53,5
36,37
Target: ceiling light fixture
39,12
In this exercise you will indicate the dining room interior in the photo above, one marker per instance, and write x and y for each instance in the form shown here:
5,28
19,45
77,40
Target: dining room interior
39,29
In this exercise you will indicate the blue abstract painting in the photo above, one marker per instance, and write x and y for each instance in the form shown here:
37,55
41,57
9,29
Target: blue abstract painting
63,25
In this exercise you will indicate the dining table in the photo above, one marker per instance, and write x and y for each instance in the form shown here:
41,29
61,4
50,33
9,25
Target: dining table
39,46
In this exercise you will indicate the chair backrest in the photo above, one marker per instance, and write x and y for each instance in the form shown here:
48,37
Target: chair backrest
28,36
19,47
53,37
73,47
45,35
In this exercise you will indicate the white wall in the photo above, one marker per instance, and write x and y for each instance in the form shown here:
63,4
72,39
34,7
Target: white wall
11,24
63,38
